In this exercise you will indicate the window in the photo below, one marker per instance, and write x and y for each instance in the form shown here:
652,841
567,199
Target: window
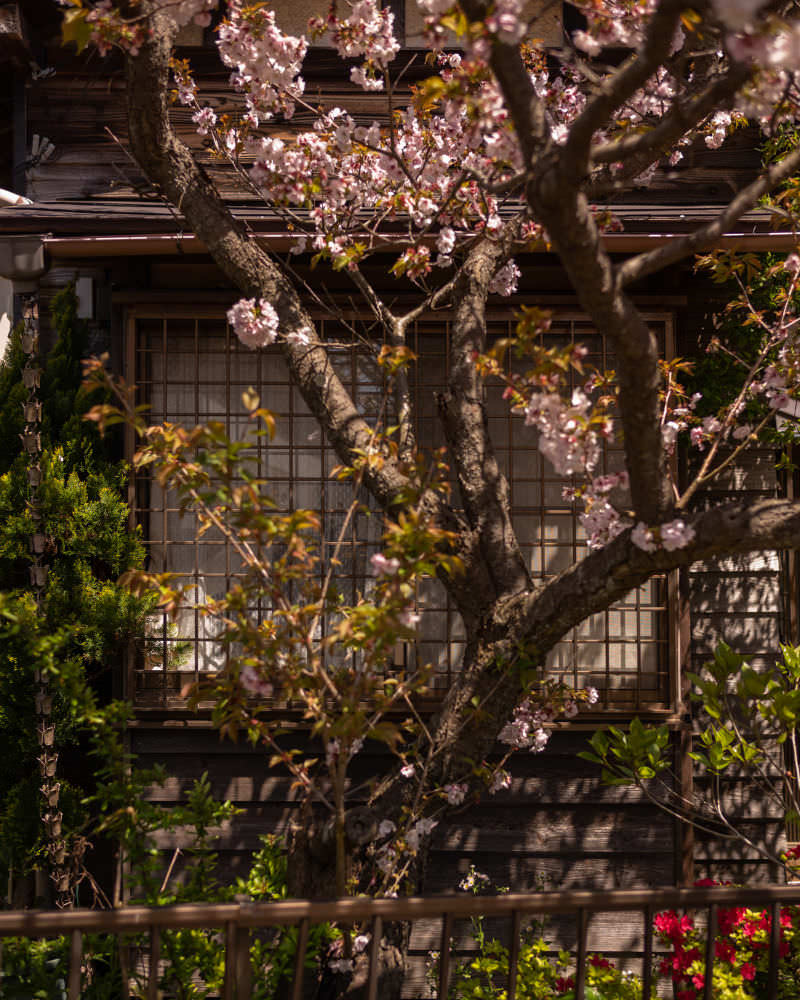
190,368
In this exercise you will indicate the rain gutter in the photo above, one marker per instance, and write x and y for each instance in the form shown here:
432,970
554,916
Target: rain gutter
67,247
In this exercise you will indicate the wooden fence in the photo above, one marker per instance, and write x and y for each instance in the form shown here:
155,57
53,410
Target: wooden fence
240,919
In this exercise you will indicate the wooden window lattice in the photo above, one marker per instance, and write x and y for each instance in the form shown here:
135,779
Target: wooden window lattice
190,368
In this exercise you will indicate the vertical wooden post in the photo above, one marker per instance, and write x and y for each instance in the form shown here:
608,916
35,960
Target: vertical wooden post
682,637
244,977
513,954
774,950
75,955
374,958
711,934
155,958
647,958
580,966
444,956
229,986
300,958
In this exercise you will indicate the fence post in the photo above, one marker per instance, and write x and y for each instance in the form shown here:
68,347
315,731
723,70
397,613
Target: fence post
75,955
155,958
444,956
711,934
300,958
774,950
244,973
229,986
513,954
647,959
580,970
374,958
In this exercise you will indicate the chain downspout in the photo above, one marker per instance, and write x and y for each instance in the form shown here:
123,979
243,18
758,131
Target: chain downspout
46,730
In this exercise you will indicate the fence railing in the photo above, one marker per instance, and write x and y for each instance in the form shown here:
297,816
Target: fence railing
240,919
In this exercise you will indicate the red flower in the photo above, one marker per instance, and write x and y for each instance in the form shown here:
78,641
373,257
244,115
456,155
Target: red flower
748,971
703,883
728,919
599,962
670,926
725,951
699,981
565,983
686,995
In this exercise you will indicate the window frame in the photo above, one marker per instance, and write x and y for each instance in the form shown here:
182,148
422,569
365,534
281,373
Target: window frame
676,624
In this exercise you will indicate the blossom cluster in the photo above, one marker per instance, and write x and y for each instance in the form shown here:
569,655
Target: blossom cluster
266,62
671,535
566,435
600,519
108,28
344,173
741,949
367,31
254,323
528,728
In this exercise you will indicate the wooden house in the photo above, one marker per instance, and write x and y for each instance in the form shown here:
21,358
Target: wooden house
157,303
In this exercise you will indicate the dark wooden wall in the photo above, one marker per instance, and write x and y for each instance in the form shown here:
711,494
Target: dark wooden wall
81,109
557,827
739,599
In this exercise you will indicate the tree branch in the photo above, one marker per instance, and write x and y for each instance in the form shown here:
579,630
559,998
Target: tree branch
484,488
557,202
525,629
170,166
620,86
395,330
606,575
703,238
681,118
515,82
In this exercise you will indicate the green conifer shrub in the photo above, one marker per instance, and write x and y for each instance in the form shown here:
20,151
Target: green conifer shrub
86,619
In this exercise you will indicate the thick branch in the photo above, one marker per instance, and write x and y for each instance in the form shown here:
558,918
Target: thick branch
531,625
557,202
706,236
515,82
682,117
603,577
171,167
484,488
565,213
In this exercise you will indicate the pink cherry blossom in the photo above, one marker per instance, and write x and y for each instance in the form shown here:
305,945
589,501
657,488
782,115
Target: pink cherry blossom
254,683
500,780
205,119
456,793
383,566
505,281
676,535
254,323
642,537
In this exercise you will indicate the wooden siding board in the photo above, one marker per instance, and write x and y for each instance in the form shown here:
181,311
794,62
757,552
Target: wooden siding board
737,599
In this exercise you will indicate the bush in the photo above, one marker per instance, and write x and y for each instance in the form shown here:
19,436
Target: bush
542,974
193,961
741,952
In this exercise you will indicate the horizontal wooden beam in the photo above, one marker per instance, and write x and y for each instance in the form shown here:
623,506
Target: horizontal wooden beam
352,909
80,247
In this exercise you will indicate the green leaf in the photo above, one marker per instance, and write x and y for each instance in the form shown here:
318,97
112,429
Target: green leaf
75,28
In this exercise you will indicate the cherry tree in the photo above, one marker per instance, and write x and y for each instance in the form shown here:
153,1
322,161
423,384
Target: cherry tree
503,148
